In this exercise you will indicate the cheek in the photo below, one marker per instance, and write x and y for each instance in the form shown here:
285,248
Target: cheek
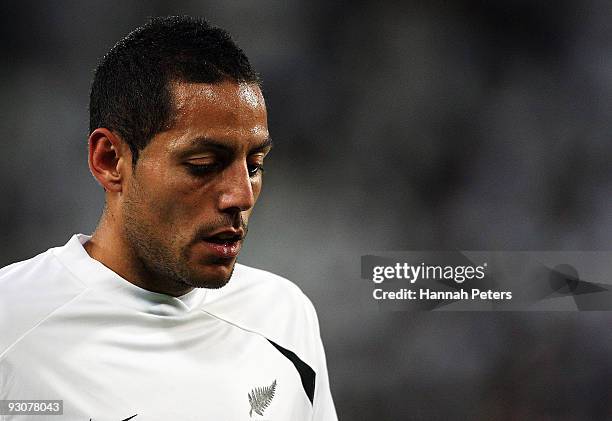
164,206
160,197
181,204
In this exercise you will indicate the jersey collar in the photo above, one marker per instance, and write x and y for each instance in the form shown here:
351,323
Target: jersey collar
102,279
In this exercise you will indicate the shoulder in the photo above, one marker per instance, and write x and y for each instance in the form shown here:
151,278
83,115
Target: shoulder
261,288
266,303
265,286
26,277
30,291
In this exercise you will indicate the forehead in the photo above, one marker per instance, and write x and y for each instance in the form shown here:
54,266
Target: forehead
228,111
226,95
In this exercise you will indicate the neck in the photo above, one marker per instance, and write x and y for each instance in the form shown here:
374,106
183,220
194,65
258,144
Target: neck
108,245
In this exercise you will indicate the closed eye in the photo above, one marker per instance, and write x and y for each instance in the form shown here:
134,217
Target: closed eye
202,169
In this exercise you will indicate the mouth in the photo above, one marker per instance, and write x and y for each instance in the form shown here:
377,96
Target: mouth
225,244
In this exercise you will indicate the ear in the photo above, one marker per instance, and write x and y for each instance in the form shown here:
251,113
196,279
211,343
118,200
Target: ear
109,159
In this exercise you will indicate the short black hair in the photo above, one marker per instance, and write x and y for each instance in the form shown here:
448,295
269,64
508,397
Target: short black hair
130,92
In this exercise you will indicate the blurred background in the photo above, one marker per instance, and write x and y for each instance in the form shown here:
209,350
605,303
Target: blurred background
398,126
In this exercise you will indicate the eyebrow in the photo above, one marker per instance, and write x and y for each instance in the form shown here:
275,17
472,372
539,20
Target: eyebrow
266,144
210,143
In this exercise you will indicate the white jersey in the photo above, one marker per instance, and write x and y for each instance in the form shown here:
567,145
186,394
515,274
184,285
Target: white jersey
73,330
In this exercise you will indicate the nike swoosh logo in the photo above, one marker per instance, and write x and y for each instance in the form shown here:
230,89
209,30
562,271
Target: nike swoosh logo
127,419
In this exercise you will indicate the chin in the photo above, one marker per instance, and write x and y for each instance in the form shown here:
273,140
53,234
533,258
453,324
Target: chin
215,278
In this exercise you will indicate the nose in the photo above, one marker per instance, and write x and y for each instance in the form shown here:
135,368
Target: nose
236,190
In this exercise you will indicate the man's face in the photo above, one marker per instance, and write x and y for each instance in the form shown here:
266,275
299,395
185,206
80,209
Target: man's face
186,205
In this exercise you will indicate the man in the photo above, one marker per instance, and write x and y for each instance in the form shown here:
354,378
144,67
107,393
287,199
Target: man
150,317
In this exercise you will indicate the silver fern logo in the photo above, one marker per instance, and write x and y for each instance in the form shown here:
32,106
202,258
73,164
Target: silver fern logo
260,398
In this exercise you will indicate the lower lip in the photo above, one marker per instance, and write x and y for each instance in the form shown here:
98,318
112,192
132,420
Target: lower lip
225,250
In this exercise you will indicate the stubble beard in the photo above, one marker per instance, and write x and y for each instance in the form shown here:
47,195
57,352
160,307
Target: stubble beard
164,263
